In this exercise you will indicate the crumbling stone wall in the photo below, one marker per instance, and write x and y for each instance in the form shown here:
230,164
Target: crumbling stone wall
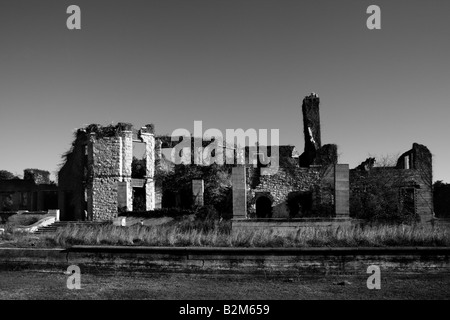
28,194
98,172
311,121
125,184
419,173
317,181
413,172
147,136
105,159
325,199
314,153
326,155
312,175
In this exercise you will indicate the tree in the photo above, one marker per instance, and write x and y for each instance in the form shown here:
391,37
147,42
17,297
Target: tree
6,175
37,175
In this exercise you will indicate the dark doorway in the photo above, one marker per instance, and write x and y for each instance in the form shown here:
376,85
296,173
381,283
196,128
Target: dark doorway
181,198
139,199
34,201
299,204
186,199
50,200
169,199
69,207
263,207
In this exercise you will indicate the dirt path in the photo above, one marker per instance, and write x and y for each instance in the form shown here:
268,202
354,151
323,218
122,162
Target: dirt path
41,285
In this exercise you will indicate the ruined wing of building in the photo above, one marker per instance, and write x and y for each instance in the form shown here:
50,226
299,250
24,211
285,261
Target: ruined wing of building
35,192
96,180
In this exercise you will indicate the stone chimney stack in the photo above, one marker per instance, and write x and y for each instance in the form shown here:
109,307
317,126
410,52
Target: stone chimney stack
311,129
311,121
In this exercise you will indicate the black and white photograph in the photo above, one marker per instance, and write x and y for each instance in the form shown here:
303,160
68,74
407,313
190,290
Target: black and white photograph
224,158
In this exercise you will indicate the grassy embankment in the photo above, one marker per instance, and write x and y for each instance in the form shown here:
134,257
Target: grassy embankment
218,234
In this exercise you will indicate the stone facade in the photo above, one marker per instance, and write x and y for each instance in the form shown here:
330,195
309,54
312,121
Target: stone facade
125,195
97,177
318,190
303,186
238,178
105,162
96,180
148,138
278,187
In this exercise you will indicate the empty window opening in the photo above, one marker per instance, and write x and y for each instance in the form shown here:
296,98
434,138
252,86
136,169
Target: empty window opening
407,201
139,164
407,162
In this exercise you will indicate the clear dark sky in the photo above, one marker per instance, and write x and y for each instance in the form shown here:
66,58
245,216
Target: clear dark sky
232,64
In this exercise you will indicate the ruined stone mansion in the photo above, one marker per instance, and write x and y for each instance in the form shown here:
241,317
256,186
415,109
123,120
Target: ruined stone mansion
96,180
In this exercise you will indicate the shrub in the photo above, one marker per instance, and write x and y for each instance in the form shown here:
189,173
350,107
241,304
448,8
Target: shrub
323,210
7,203
206,213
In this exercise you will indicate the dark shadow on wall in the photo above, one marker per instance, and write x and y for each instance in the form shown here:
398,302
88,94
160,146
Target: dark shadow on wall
299,204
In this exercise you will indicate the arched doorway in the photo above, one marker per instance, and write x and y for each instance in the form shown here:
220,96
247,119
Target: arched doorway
263,207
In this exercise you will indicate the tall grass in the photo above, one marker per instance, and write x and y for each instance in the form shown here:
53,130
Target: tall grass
220,236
